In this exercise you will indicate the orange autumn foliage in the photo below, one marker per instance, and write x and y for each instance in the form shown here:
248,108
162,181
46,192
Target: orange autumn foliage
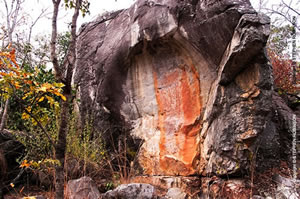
14,79
283,73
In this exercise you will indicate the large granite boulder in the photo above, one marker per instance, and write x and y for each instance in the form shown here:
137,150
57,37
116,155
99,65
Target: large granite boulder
190,78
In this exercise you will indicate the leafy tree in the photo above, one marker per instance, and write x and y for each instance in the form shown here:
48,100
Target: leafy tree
282,46
280,38
282,51
14,17
28,90
282,72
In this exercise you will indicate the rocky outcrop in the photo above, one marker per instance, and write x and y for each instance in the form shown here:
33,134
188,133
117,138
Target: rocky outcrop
189,78
277,139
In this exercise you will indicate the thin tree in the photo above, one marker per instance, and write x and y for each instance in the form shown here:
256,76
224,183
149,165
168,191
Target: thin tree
13,19
63,73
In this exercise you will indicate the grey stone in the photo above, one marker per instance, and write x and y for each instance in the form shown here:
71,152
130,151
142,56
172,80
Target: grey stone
257,197
287,188
131,191
82,188
175,193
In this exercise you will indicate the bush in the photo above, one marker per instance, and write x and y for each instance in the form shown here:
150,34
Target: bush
283,73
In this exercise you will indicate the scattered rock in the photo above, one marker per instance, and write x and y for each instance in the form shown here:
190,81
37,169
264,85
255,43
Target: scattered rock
187,184
175,193
287,188
82,188
45,178
131,191
34,197
257,197
219,188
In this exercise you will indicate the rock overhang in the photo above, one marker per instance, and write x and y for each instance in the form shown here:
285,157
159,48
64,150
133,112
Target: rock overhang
186,76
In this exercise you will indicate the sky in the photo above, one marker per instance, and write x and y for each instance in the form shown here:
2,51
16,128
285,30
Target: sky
97,7
32,9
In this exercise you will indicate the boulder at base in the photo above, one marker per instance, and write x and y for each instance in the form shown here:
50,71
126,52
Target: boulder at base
82,188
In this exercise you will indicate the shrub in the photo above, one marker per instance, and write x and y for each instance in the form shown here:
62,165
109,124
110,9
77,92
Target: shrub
283,73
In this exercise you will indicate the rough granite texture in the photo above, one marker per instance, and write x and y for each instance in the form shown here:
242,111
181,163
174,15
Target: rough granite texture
189,77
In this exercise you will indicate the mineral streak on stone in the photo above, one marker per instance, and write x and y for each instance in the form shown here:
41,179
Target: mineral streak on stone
178,97
189,77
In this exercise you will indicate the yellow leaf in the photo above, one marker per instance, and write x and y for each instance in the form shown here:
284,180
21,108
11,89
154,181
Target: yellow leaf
47,85
25,163
17,85
59,94
63,97
25,116
50,99
41,99
59,85
12,185
28,108
43,88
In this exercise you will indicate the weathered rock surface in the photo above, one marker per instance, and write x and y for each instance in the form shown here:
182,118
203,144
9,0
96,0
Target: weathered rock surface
175,193
287,188
188,185
82,188
278,136
190,79
131,191
219,188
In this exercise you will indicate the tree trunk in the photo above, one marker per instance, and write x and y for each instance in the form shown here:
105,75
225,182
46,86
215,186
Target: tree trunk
4,116
60,149
68,64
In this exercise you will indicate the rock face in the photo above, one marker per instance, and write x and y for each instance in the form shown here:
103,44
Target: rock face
278,138
190,79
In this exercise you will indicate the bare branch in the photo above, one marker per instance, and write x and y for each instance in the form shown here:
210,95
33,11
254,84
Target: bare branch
53,41
72,47
12,15
288,19
40,125
290,7
42,14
